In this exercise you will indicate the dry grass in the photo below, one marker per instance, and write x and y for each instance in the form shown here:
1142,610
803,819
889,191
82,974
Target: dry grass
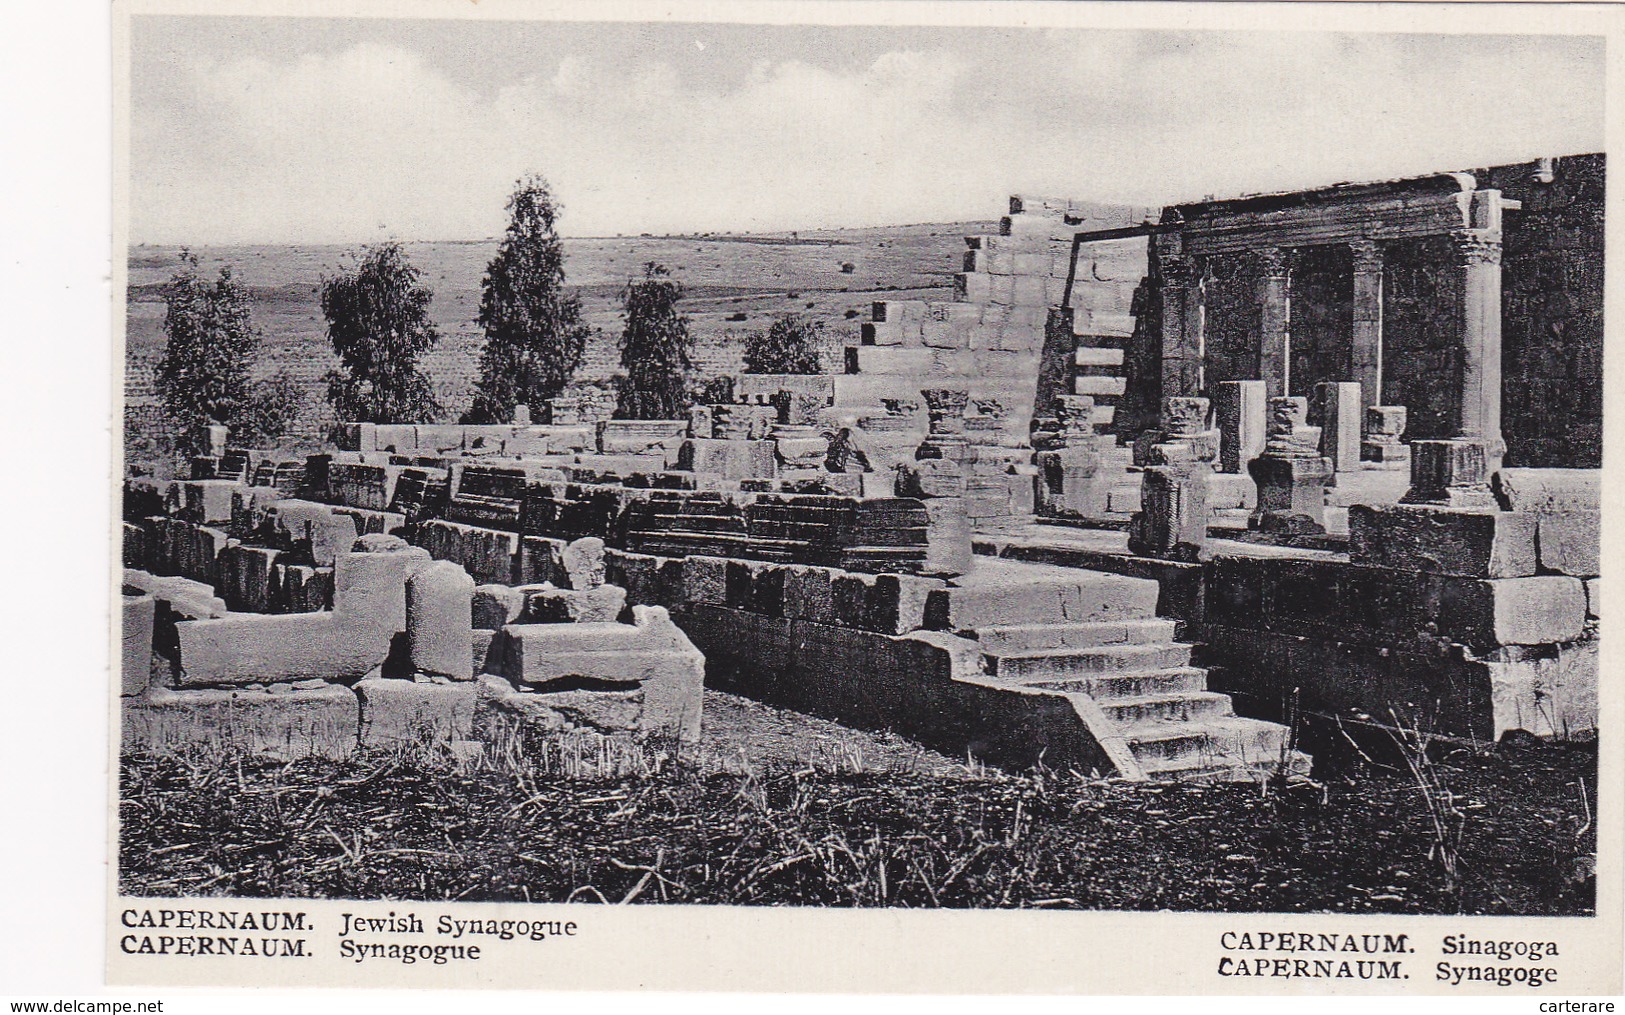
607,819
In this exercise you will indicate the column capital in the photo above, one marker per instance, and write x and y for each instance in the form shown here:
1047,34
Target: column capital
1476,246
1368,254
1271,262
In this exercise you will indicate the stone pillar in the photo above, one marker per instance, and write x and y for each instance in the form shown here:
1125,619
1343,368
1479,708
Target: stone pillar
1240,412
1068,458
1273,290
1181,293
938,477
440,620
1478,414
1366,335
1172,520
217,436
1291,474
1382,447
1340,424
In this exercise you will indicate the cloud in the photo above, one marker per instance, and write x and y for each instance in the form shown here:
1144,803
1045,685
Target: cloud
375,139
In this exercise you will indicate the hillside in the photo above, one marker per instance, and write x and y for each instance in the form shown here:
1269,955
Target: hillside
736,284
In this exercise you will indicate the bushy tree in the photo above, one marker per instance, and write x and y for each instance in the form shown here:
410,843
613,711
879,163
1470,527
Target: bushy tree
655,347
378,322
273,406
534,335
203,375
791,345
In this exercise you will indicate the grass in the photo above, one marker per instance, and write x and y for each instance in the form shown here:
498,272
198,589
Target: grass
632,823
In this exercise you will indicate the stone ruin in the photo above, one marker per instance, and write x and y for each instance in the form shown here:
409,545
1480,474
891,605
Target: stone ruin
864,544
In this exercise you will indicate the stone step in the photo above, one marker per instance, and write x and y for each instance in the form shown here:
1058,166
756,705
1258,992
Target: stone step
1046,636
1102,417
1228,742
1296,763
1100,387
1023,665
1095,597
1106,686
1181,706
1097,356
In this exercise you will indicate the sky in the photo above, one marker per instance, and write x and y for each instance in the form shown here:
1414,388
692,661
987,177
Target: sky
331,130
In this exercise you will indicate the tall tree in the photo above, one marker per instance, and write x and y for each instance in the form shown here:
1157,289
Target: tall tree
377,320
203,375
655,347
534,335
789,346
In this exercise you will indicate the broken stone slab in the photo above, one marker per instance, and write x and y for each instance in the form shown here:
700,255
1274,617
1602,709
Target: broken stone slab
266,648
1484,614
370,588
139,615
599,605
1570,543
204,501
190,599
309,530
1548,491
439,620
247,576
396,712
651,652
301,588
1594,598
496,606
1443,540
289,723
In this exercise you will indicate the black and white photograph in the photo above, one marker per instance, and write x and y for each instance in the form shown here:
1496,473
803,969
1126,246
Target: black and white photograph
1098,463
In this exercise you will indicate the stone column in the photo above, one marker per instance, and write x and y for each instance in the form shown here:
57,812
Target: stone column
1478,415
1181,325
1366,337
1273,292
1456,472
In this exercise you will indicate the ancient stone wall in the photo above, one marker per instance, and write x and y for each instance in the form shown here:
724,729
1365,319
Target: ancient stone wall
1552,313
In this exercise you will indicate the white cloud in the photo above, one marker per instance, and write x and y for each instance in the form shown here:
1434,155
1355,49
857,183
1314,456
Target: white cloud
378,139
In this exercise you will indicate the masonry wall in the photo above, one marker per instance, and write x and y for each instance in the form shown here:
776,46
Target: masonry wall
1552,313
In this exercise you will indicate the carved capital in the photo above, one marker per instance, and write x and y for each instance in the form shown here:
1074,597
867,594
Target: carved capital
1368,255
1179,270
1271,262
1476,246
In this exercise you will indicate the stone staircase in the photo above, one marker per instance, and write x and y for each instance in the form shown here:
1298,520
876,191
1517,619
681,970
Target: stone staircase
1097,640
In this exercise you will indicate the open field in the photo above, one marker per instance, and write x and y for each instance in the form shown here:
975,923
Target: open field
736,284
817,815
